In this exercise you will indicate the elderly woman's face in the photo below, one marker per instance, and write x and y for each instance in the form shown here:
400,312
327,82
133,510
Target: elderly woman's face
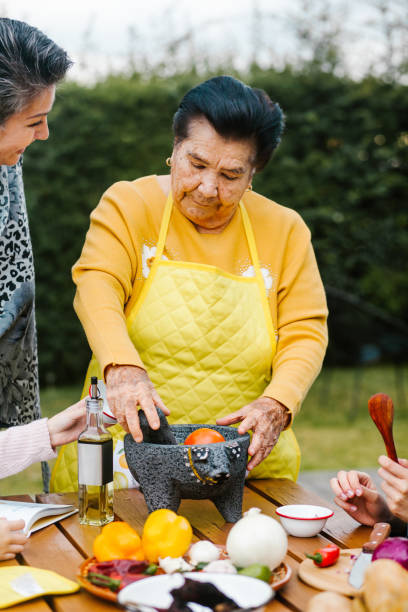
22,128
209,175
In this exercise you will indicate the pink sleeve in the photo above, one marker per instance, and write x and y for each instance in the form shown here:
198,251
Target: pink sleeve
23,445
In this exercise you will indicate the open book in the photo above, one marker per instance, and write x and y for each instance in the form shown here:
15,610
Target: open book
36,516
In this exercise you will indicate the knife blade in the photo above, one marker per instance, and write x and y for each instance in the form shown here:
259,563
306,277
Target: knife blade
379,533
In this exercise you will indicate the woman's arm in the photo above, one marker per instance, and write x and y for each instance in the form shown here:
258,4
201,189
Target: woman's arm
26,444
104,276
23,445
301,322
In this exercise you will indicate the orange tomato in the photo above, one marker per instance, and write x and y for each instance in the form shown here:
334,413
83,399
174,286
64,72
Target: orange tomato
204,435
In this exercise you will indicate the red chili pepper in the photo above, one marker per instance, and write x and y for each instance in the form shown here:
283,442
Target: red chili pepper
328,555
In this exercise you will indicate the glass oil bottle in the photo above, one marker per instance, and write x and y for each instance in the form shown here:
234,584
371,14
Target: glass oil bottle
95,465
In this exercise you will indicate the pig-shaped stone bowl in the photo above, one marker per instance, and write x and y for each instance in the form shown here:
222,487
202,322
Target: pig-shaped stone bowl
168,473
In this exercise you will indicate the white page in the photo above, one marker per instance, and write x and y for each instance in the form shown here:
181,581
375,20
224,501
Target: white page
30,512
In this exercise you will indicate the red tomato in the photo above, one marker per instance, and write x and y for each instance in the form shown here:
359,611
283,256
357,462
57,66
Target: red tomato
204,435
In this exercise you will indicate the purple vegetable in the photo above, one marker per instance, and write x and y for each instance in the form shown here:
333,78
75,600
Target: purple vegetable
395,549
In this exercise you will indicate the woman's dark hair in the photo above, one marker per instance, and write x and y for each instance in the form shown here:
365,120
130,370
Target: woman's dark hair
236,111
29,63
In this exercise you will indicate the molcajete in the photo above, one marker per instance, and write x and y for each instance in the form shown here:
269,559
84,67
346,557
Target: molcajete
168,473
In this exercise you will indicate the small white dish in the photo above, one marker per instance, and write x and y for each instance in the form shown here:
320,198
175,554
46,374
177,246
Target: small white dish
303,520
154,592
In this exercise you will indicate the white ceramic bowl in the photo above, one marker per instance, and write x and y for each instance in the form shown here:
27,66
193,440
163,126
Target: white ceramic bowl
303,520
154,592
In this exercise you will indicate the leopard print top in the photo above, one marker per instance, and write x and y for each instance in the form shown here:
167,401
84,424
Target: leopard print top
19,394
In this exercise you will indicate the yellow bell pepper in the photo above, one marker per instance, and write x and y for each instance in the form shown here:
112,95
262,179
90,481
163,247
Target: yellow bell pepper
165,534
118,540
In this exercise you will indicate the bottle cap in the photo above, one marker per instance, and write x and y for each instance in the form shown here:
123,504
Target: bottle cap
93,404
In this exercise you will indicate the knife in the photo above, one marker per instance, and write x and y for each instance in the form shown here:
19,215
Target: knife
378,535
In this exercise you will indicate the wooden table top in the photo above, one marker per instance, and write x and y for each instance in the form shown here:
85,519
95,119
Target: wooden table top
63,546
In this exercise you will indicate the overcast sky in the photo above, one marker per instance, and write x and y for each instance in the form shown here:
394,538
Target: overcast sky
101,35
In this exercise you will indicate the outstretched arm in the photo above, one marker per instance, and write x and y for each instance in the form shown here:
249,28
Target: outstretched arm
26,444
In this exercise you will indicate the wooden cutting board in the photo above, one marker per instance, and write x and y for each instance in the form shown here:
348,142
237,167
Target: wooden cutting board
333,578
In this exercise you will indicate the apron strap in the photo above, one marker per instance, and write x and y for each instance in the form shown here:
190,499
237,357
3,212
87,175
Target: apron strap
164,226
258,274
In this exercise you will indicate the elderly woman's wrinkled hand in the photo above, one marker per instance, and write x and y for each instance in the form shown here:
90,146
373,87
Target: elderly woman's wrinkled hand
129,388
267,418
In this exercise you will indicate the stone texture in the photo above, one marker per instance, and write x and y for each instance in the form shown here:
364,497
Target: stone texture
168,473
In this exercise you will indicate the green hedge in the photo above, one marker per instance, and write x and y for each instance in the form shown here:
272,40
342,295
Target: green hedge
342,164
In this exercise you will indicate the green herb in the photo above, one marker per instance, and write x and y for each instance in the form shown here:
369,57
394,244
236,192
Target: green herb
201,565
104,581
151,569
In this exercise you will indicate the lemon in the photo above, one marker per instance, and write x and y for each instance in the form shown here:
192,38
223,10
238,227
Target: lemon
256,570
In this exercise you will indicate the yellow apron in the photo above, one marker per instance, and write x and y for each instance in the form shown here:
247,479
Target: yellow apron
207,341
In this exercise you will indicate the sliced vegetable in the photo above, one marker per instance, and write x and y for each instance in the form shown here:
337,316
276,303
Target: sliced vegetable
118,540
257,538
165,534
118,573
256,570
104,581
325,556
395,549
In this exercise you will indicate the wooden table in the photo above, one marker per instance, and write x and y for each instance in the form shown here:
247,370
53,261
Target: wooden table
63,546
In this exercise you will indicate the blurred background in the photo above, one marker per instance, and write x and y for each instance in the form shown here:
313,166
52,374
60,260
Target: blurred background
340,72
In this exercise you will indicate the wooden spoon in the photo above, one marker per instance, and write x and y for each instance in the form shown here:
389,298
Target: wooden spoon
381,410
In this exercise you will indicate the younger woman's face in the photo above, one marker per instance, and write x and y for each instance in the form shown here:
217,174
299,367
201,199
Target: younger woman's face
22,128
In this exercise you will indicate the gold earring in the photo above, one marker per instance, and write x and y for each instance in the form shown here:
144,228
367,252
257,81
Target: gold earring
168,162
249,188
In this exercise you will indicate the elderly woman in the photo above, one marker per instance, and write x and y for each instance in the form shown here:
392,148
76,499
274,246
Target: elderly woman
30,66
200,296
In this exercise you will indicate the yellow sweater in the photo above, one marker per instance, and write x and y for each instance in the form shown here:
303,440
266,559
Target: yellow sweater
120,245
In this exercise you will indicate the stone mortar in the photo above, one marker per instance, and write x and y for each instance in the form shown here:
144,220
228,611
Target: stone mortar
168,473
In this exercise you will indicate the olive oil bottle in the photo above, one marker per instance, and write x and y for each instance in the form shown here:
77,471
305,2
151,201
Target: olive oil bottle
95,465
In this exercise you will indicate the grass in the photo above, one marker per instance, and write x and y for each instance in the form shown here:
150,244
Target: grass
333,428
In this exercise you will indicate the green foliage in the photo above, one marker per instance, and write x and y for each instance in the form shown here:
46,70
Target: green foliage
342,164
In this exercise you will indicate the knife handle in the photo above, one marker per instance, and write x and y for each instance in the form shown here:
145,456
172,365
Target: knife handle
379,533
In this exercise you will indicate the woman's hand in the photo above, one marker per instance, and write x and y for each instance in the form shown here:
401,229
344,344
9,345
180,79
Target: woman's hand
356,493
395,485
12,540
129,388
66,426
267,418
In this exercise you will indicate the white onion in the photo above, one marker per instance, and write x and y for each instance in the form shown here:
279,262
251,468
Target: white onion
203,552
257,538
